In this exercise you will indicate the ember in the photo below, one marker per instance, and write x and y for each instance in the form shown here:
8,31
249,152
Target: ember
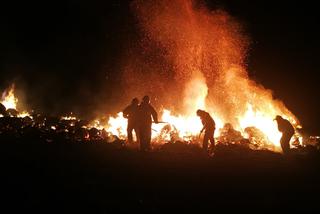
206,51
159,106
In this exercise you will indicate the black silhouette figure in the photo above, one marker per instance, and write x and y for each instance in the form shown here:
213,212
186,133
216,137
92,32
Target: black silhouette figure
131,113
146,114
287,130
209,128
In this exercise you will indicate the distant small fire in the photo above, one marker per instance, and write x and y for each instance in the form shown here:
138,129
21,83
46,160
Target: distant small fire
8,98
10,101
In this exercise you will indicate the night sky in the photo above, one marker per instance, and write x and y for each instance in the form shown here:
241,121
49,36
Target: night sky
65,56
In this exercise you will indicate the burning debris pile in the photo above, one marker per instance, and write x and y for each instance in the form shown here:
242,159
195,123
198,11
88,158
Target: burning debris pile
14,124
8,104
195,59
71,129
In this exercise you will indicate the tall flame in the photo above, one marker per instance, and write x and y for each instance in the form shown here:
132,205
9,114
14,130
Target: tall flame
196,58
8,98
196,91
10,101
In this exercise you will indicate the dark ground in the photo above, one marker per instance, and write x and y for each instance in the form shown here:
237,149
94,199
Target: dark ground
40,177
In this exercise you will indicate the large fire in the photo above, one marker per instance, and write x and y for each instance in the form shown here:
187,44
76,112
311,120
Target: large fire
195,59
206,51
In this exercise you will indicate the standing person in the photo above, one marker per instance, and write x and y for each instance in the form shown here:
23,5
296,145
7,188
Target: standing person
287,130
146,114
131,113
209,127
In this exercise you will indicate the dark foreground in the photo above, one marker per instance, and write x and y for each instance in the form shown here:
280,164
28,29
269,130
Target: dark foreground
39,177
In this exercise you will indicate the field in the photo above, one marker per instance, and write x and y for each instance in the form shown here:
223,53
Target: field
100,177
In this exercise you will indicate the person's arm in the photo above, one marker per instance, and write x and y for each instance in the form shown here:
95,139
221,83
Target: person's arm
154,114
205,124
202,129
126,112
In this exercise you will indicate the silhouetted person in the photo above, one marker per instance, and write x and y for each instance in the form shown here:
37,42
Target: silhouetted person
146,114
287,130
208,126
131,113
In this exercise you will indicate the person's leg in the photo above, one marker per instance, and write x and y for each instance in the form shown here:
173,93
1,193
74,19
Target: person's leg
142,138
205,141
211,138
129,133
285,143
148,137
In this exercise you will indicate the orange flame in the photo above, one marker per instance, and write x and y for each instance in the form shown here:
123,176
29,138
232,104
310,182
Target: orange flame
10,101
206,51
8,98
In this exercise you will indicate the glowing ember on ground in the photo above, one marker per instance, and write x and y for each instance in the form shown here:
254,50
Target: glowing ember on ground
68,118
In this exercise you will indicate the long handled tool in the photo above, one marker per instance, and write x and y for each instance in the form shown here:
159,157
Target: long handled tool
160,122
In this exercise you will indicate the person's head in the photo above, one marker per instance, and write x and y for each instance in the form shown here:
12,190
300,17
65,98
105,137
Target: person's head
146,99
200,112
278,118
135,101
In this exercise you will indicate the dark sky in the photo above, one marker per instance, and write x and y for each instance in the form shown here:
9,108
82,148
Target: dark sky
65,55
